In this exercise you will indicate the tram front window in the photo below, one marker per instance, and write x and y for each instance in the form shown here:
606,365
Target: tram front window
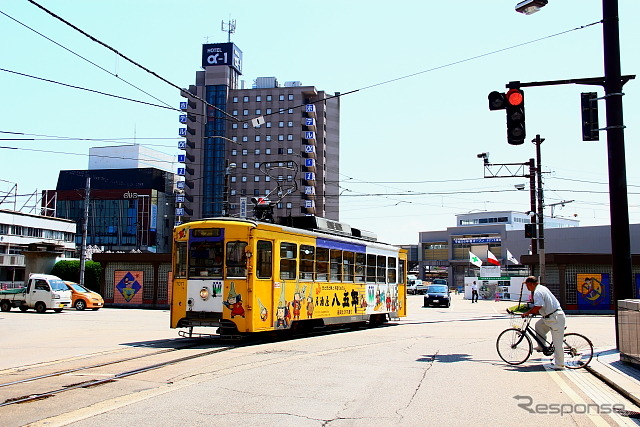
205,259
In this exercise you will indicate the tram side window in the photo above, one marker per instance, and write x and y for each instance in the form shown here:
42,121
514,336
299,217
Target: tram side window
361,261
288,254
306,262
322,264
180,266
403,273
391,270
205,259
336,265
236,259
347,266
264,260
382,269
371,268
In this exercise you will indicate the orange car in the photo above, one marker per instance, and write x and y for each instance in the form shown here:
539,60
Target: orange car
82,297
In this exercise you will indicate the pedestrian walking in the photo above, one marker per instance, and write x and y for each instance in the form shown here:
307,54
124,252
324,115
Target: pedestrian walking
474,292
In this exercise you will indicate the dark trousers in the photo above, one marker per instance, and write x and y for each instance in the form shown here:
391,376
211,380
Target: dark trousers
474,296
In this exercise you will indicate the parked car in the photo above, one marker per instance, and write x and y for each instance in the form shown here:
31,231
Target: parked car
437,295
82,297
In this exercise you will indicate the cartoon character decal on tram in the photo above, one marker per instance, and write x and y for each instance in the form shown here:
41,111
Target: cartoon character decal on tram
234,302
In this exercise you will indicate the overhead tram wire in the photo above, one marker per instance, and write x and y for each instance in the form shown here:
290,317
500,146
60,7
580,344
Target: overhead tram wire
85,59
153,73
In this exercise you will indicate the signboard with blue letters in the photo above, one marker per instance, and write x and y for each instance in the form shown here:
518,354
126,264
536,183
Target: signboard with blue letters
222,54
309,163
180,185
184,105
182,145
181,158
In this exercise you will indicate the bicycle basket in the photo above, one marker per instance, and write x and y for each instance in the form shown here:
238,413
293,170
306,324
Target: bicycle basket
517,321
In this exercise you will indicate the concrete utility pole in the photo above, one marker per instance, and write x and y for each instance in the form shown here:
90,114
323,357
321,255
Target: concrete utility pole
538,141
85,221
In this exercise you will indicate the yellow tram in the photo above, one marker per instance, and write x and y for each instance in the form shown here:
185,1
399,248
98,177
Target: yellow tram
246,276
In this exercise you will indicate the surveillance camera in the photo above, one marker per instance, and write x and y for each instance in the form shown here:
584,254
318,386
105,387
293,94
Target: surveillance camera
530,6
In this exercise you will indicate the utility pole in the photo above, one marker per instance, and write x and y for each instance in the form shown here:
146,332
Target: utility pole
538,141
85,220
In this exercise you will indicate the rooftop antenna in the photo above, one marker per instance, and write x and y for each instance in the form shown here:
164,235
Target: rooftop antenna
229,27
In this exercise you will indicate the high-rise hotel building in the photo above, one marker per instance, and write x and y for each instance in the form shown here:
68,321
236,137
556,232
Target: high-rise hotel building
241,144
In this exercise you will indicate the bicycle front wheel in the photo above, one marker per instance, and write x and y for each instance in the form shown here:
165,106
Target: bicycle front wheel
514,346
578,351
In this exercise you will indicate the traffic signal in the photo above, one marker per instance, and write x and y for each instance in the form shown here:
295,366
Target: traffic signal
497,101
530,231
589,106
514,100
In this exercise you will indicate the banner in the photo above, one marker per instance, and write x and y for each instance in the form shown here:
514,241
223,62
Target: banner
593,291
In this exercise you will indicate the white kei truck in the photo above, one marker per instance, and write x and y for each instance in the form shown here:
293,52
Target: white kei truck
43,292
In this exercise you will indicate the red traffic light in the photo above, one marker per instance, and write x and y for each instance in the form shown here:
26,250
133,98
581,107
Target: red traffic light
515,97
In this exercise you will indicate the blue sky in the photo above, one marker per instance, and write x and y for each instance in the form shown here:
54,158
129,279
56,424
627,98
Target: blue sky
409,136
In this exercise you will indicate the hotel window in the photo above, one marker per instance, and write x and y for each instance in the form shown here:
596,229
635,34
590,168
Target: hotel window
245,112
290,97
280,150
234,138
280,137
258,98
289,178
289,205
256,151
233,192
279,205
280,124
289,150
256,165
267,151
281,111
267,178
245,99
235,99
256,179
257,138
267,138
289,164
289,137
258,112
268,124
268,111
233,179
234,112
244,179
245,126
244,165
234,126
269,98
245,152
290,124
234,152
245,139
281,98
290,110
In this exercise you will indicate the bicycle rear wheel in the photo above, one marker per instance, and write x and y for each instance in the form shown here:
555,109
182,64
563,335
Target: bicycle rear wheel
514,346
578,351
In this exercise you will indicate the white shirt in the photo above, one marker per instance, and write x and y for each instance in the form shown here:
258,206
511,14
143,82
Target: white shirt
474,287
542,297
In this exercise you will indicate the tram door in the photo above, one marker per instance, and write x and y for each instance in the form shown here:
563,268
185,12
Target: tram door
263,286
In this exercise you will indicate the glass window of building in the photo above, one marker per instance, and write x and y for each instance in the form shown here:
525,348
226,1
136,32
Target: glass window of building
280,124
245,112
233,179
281,150
258,112
268,124
234,152
232,192
281,111
245,138
256,165
268,111
234,126
290,110
244,179
256,192
245,152
289,205
235,99
257,138
245,126
290,97
267,151
290,124
245,99
256,179
234,138
258,98
256,151
267,178
244,165
234,112
289,150
267,138
280,137
281,97
269,98
289,137
289,178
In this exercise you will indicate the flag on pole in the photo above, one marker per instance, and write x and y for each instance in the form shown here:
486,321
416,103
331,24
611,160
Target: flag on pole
474,259
511,258
491,258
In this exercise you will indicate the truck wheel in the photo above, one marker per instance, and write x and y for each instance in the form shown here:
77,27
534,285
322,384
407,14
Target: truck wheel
23,308
5,306
80,305
40,307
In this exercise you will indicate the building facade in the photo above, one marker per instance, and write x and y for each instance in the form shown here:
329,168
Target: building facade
129,209
270,141
499,232
21,232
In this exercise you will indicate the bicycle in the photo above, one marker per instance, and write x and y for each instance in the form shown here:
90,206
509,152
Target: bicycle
514,345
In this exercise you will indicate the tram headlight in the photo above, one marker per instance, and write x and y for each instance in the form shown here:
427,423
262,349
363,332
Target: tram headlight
204,293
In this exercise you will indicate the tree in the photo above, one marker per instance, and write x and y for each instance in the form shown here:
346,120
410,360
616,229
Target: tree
70,270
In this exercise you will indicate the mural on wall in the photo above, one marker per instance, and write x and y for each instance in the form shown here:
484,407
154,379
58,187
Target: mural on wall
593,291
128,287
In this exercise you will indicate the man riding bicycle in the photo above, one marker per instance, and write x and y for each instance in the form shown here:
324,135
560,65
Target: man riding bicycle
552,318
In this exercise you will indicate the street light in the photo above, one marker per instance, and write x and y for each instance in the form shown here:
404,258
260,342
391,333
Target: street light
621,266
530,6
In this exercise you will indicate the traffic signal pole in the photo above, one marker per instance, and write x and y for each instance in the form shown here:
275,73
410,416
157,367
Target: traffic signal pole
542,261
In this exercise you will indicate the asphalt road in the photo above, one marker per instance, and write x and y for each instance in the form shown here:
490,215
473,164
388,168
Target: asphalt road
437,366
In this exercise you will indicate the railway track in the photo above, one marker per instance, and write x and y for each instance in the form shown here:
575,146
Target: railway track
40,381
